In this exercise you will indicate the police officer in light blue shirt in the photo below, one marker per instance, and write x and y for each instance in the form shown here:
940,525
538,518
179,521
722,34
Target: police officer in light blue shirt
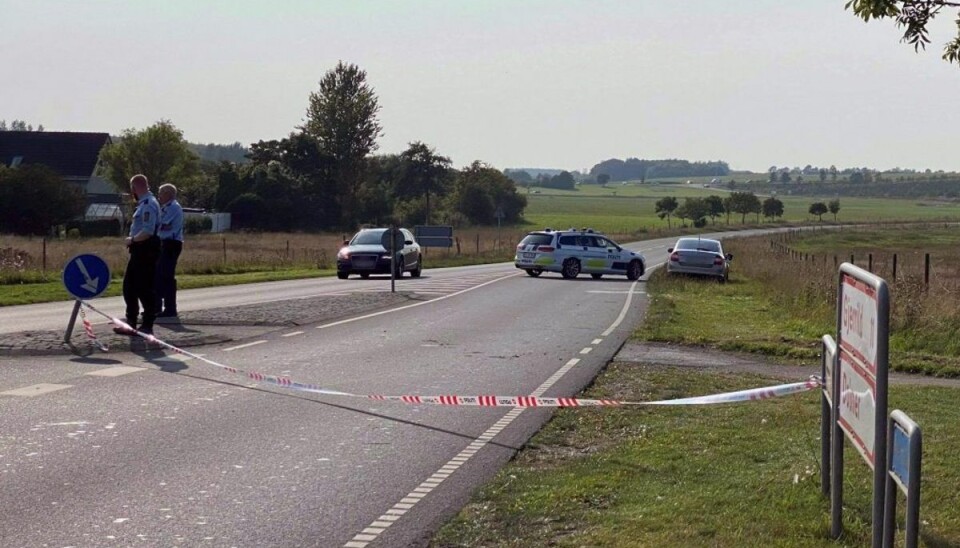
144,247
171,244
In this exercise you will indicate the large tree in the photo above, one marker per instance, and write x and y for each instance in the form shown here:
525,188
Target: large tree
913,16
772,207
342,118
818,209
665,207
834,207
744,203
422,172
480,189
159,152
34,198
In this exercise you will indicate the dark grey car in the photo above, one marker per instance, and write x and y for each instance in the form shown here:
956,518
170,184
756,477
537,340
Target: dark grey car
699,256
364,255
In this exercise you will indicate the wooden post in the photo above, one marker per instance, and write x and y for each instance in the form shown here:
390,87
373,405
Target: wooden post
851,259
44,255
224,250
288,250
478,243
870,262
926,270
834,261
894,267
457,240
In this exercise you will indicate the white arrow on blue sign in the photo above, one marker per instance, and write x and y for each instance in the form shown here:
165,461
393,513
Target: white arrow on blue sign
86,276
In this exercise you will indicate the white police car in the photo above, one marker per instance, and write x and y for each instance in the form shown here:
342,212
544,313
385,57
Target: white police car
571,252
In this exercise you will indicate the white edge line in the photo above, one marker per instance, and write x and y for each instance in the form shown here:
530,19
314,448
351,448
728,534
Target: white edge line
409,306
238,347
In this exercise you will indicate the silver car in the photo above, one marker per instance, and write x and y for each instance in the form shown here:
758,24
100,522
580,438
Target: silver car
699,256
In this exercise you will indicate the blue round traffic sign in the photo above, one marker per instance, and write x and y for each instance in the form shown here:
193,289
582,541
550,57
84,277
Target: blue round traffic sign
86,276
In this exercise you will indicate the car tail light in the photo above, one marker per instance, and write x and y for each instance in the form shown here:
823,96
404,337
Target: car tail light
718,261
545,248
675,257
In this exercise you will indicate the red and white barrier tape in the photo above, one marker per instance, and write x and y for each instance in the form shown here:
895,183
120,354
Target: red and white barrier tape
91,334
753,394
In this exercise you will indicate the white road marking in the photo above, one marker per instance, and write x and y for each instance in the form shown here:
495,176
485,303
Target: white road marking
249,344
35,390
596,341
586,350
115,371
637,292
409,306
623,312
292,334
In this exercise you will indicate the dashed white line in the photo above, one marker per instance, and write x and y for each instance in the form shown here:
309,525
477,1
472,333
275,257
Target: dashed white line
596,341
292,333
586,350
35,390
248,345
114,371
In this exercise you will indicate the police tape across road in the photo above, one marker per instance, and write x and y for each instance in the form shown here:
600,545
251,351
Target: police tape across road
752,394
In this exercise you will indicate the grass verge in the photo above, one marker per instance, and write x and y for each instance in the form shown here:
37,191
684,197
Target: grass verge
16,294
728,475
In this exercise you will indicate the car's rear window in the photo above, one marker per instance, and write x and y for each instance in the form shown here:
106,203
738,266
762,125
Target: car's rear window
537,239
700,245
368,237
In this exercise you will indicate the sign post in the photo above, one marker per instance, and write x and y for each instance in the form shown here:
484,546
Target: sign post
860,385
828,364
85,277
903,471
393,241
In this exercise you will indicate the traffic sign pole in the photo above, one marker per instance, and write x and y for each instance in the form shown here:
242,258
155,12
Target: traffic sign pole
73,321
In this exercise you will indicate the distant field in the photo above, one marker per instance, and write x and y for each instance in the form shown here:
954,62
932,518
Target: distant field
631,208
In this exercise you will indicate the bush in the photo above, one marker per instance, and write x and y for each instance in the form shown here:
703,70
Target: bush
197,225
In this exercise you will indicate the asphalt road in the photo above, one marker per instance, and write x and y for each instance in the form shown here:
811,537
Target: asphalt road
123,449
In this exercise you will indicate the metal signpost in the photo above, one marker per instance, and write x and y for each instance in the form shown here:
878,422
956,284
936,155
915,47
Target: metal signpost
903,471
85,277
860,385
434,236
392,239
828,363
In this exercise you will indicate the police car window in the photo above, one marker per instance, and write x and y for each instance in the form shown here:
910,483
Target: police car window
367,237
536,239
569,240
589,241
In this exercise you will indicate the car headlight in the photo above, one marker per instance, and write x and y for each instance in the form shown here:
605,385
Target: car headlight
343,254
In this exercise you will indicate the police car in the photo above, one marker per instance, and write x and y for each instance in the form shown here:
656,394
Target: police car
571,252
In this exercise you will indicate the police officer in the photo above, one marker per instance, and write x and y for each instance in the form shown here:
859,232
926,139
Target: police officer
144,247
171,244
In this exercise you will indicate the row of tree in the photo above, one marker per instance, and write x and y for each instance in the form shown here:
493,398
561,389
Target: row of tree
698,210
324,174
633,169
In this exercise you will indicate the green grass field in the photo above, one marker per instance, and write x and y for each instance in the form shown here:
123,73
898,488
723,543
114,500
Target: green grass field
631,208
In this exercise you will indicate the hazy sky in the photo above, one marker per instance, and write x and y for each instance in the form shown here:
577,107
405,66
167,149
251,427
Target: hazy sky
560,83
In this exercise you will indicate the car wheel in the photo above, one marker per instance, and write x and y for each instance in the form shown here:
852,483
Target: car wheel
534,272
416,271
635,270
596,276
723,279
571,269
365,275
343,275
